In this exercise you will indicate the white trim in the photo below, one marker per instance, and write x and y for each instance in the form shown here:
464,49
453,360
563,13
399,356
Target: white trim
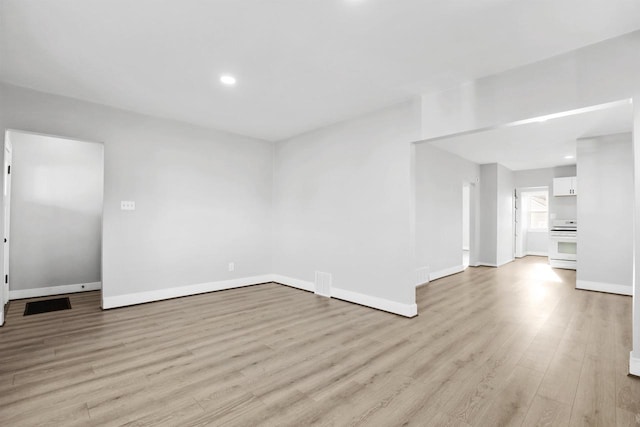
294,283
407,310
54,290
445,272
611,288
634,365
500,264
491,264
534,253
486,264
181,291
561,263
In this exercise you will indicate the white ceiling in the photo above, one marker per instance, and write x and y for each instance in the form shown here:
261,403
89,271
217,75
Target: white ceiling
300,64
538,144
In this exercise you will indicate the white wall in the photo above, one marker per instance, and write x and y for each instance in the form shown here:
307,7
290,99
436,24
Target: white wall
506,232
343,204
203,197
605,214
634,362
596,74
440,176
600,73
56,212
562,207
466,215
536,242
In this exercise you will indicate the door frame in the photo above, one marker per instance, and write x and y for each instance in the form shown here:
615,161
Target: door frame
7,218
6,206
473,221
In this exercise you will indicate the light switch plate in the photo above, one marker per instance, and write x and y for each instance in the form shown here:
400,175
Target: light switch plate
127,205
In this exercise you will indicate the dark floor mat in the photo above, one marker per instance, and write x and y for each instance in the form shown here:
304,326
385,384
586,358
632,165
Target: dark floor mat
45,306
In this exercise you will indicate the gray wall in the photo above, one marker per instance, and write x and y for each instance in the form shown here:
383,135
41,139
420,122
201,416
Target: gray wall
56,211
343,204
466,218
496,215
488,206
203,197
439,210
605,211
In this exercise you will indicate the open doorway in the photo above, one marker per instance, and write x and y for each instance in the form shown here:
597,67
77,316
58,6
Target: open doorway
466,224
518,169
532,222
53,202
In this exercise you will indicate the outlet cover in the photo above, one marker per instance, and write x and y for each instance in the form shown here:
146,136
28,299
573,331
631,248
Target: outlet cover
232,266
127,205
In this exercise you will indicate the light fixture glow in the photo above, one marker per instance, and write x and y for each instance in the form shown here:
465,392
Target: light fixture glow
227,80
568,157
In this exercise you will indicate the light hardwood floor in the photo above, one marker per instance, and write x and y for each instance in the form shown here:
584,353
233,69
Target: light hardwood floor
491,347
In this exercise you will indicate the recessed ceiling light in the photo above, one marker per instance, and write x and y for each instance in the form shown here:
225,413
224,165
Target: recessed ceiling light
227,80
568,157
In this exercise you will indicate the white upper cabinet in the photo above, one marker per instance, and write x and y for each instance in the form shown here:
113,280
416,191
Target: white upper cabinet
567,186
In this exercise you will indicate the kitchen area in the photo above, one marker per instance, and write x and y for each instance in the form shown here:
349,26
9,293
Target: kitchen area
525,184
563,233
602,252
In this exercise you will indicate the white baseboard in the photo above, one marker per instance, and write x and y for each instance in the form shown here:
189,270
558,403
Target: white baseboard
534,253
634,365
486,264
492,264
407,310
505,262
611,288
294,283
181,291
54,290
445,272
564,264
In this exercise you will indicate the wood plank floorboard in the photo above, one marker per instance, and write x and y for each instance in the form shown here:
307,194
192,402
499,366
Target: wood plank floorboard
514,346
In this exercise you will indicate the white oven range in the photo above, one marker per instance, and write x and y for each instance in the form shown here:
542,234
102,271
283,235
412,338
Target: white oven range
563,241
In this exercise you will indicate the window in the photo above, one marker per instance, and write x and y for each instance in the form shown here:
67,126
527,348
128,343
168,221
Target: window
536,210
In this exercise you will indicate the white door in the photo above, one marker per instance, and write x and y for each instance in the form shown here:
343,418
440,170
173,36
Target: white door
6,204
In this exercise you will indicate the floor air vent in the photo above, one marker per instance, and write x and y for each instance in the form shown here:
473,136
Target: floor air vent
323,284
45,306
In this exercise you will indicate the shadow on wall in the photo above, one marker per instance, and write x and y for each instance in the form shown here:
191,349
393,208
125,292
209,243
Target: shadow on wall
63,246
